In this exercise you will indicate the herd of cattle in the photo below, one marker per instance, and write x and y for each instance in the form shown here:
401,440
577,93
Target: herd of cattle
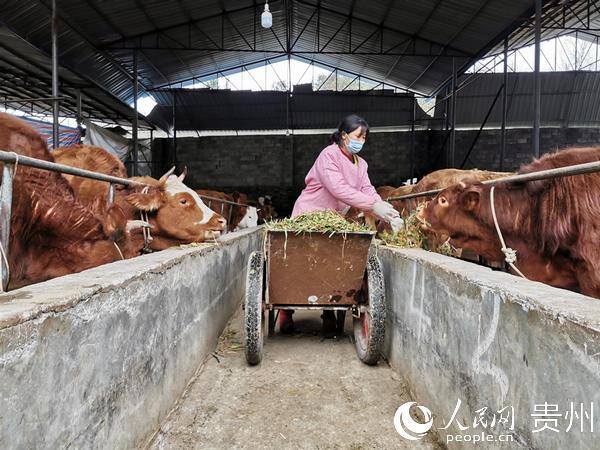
553,224
62,224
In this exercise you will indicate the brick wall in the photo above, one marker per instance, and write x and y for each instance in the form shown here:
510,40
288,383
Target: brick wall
277,165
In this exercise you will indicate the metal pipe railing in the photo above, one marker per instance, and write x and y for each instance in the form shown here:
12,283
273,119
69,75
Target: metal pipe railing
577,169
227,202
12,158
223,203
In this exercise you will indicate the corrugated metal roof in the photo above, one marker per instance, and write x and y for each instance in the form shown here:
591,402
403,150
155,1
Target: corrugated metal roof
206,109
181,39
25,72
569,99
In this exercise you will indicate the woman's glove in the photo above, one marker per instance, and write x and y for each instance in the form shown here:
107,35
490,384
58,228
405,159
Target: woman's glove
397,224
385,211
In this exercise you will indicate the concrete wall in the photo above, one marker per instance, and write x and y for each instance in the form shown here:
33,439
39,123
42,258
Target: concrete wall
97,359
460,331
277,164
486,153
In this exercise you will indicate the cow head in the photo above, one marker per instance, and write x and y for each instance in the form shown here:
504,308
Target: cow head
250,219
266,210
178,213
455,213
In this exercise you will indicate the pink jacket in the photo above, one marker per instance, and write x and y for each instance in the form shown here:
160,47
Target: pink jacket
335,183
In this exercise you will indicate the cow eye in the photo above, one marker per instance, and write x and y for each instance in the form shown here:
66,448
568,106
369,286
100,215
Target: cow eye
183,201
443,200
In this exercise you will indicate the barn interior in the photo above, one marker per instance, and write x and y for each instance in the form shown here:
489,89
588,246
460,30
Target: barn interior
240,105
206,87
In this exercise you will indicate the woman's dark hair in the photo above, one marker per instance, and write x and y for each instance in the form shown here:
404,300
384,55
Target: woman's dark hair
348,125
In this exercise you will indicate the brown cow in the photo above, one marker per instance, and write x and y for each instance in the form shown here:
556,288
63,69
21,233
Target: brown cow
370,219
52,233
439,179
219,207
239,216
176,212
266,210
243,216
91,158
552,224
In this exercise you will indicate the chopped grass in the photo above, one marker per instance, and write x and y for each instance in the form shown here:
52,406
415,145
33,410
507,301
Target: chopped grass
317,222
412,236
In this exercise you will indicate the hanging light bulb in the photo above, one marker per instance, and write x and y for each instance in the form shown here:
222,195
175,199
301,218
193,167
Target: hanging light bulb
266,18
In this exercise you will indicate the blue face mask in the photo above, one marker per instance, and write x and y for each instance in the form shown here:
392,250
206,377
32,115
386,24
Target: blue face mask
355,146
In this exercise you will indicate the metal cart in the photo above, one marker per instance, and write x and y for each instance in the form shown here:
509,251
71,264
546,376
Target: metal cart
316,271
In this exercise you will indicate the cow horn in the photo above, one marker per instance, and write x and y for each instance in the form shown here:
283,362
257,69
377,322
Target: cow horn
135,224
169,173
183,174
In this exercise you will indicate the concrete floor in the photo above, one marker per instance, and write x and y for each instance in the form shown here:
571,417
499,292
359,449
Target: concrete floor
306,393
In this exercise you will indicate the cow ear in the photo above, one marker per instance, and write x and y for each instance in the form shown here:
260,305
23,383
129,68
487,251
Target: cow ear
150,201
470,199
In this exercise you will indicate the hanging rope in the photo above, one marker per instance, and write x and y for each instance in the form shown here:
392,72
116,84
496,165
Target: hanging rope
16,163
119,250
510,255
2,249
146,230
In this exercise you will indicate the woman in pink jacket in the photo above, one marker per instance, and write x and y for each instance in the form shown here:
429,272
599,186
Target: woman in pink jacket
337,181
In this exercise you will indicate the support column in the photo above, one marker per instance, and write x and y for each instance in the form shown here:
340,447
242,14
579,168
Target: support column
135,116
55,102
412,138
79,113
504,104
537,82
451,161
174,128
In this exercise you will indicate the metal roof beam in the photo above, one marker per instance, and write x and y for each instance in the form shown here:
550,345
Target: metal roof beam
432,48
423,25
48,72
215,72
80,33
117,30
120,43
383,27
458,33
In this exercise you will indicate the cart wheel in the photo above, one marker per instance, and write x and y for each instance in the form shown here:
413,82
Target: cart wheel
369,328
253,308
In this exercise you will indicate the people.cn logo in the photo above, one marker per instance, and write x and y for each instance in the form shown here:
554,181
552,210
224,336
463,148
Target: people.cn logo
409,428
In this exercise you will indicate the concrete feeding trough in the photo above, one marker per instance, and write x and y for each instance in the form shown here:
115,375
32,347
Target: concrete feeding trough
99,358
459,331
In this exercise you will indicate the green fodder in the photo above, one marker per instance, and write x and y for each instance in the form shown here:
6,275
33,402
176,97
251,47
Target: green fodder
317,222
412,236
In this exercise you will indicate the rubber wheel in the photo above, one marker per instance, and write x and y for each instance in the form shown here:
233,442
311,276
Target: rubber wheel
253,309
369,329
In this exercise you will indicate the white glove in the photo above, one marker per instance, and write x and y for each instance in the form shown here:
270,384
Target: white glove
397,224
385,211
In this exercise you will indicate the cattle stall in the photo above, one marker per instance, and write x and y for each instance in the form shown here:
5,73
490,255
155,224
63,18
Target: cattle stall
492,340
105,353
